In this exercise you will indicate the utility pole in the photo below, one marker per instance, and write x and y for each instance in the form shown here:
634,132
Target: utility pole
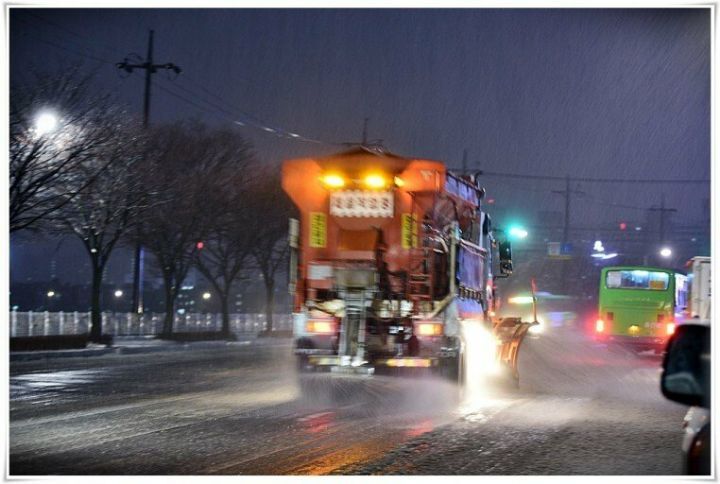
566,269
150,69
566,193
662,211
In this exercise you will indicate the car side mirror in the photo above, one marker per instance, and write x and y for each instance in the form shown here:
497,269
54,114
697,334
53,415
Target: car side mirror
505,253
686,366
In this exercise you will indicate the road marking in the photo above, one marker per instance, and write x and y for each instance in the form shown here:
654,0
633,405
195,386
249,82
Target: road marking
315,415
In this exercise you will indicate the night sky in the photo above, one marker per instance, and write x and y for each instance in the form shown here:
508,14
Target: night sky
589,93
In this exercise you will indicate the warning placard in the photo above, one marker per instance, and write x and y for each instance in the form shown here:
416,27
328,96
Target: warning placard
409,232
318,230
357,203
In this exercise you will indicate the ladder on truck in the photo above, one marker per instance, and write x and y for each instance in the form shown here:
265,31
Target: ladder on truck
420,281
353,328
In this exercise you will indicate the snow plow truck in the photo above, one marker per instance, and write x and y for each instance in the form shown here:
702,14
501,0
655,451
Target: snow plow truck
391,267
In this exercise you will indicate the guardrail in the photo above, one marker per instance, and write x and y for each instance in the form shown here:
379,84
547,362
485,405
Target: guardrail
128,324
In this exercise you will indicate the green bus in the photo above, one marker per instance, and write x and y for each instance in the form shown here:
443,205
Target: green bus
640,305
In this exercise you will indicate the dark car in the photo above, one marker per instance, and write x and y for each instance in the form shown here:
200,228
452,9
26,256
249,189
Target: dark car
686,379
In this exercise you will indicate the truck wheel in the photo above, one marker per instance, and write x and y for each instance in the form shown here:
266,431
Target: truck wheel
453,369
449,369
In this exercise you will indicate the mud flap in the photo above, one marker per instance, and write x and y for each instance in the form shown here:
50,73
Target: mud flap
510,332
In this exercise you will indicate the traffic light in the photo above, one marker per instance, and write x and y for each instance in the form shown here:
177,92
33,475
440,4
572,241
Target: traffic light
200,245
623,225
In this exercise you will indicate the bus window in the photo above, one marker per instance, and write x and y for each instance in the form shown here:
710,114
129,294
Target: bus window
637,279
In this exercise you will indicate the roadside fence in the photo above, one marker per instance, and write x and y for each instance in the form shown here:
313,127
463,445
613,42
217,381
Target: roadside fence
128,324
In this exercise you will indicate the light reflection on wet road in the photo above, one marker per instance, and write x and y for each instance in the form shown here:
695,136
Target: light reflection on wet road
234,413
240,411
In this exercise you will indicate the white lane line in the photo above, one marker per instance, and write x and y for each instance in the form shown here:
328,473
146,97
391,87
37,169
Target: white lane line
315,415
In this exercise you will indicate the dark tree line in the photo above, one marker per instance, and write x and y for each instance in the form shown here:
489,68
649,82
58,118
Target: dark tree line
98,176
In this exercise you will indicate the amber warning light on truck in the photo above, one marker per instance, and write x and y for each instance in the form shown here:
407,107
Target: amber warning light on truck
332,180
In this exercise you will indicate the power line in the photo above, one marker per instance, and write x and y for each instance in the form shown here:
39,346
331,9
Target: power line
588,179
150,68
106,47
250,119
663,211
65,48
566,194
213,112
247,118
612,204
594,180
229,116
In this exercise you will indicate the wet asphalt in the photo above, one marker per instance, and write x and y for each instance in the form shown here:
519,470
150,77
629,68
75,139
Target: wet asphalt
581,409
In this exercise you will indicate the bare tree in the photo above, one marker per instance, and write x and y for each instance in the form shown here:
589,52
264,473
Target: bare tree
57,123
103,196
271,252
195,165
230,238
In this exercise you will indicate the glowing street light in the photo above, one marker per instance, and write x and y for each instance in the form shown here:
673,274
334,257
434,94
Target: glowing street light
45,123
51,293
118,293
206,295
666,252
517,232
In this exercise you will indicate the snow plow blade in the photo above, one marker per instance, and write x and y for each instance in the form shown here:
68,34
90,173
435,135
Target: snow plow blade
510,332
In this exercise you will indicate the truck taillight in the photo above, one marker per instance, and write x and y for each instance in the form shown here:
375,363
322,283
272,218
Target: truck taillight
429,329
599,326
320,326
670,328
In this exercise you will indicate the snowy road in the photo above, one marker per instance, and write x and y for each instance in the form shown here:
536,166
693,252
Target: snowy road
580,410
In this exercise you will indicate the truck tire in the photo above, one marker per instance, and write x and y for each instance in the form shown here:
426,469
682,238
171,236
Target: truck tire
301,364
453,368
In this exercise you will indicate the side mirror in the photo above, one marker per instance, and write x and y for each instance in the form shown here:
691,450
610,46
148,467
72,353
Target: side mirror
686,366
505,253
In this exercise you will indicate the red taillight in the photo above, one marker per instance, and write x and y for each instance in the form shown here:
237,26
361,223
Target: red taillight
599,326
320,326
670,328
429,329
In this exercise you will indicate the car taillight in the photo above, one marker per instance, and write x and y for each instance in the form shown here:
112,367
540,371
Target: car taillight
599,325
320,326
429,329
670,328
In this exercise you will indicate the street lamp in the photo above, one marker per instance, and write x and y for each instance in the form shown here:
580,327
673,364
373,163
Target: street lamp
517,232
51,293
118,293
206,295
46,122
666,252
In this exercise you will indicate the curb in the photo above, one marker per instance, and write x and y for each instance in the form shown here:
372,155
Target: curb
39,355
135,350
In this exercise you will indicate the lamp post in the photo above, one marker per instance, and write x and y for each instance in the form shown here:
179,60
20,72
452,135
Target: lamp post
46,122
